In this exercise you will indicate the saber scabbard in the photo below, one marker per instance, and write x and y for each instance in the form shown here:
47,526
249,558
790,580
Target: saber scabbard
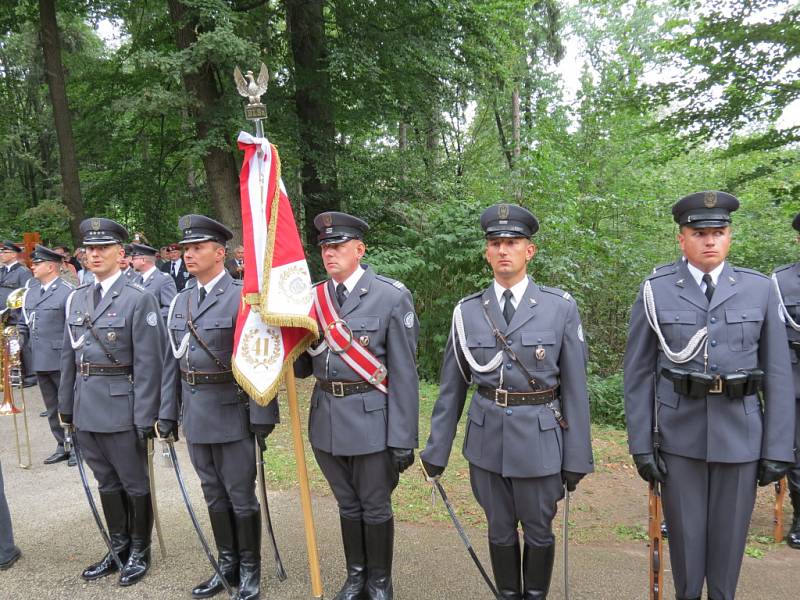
566,542
262,489
73,441
154,498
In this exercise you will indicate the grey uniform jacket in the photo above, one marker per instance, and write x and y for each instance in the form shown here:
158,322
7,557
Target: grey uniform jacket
17,277
42,323
128,323
213,413
380,313
789,282
162,286
745,331
519,441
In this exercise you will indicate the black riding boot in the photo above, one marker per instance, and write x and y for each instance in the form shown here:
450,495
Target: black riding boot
140,510
228,555
354,555
248,534
379,545
506,568
115,509
537,569
793,538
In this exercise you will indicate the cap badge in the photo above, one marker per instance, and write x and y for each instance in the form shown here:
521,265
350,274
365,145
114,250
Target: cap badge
710,199
327,220
95,224
502,211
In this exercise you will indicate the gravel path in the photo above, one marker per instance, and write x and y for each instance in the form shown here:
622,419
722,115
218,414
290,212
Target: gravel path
58,538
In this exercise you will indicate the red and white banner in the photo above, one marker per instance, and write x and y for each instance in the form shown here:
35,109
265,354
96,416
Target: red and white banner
276,317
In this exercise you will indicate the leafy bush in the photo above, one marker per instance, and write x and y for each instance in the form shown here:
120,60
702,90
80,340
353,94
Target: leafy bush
606,400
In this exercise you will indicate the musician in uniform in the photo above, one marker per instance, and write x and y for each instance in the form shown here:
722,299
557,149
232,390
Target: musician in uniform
705,338
13,274
155,281
110,382
363,425
787,280
528,435
220,422
42,330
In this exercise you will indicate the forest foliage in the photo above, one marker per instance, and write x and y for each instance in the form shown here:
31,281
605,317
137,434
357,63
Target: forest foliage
595,114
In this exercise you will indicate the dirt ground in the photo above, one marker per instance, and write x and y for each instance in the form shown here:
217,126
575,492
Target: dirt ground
608,553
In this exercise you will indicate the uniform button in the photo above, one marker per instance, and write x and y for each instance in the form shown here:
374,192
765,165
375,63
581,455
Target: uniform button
713,319
677,317
363,325
334,372
193,390
216,323
744,315
540,340
508,365
509,411
713,367
88,342
510,388
510,342
713,343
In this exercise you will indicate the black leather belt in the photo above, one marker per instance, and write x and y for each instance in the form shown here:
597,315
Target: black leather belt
699,385
504,398
198,377
87,369
340,389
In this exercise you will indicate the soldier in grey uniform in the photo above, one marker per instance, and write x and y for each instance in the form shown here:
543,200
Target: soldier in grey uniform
363,437
787,280
110,385
42,330
158,283
220,422
125,265
706,337
528,433
13,274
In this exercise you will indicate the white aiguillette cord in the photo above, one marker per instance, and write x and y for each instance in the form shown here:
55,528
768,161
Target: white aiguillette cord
695,344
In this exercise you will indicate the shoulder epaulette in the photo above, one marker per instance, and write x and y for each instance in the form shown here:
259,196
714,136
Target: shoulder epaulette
84,285
190,284
556,292
657,268
470,297
751,271
663,270
135,286
398,284
238,282
784,267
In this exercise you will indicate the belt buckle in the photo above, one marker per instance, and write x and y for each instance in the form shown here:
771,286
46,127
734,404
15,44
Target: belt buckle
190,378
716,387
84,369
497,395
337,389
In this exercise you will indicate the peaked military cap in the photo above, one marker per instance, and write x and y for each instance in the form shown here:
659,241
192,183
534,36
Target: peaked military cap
128,249
705,209
141,250
199,228
44,254
11,246
338,227
102,232
508,220
796,222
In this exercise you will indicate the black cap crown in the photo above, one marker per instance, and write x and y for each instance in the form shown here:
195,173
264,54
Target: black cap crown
98,231
508,220
705,209
44,254
199,228
141,250
337,227
7,245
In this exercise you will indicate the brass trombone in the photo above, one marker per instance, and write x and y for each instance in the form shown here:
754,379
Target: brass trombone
12,372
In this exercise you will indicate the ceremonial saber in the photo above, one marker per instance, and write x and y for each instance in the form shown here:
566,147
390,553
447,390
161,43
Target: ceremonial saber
262,488
566,542
305,491
70,441
195,523
462,534
153,498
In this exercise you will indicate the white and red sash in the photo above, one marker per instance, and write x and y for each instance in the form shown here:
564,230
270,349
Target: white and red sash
339,339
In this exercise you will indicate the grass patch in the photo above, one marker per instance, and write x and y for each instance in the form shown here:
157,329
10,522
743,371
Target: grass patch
627,532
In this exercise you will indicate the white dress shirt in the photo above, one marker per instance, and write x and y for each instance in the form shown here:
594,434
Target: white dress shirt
517,291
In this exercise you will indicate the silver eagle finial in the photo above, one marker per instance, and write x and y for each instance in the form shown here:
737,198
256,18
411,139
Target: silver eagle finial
249,87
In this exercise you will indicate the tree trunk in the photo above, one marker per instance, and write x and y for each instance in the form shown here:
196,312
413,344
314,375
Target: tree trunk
54,74
403,135
219,163
515,121
306,27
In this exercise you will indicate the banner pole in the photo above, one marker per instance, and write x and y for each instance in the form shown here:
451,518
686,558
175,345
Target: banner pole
305,491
